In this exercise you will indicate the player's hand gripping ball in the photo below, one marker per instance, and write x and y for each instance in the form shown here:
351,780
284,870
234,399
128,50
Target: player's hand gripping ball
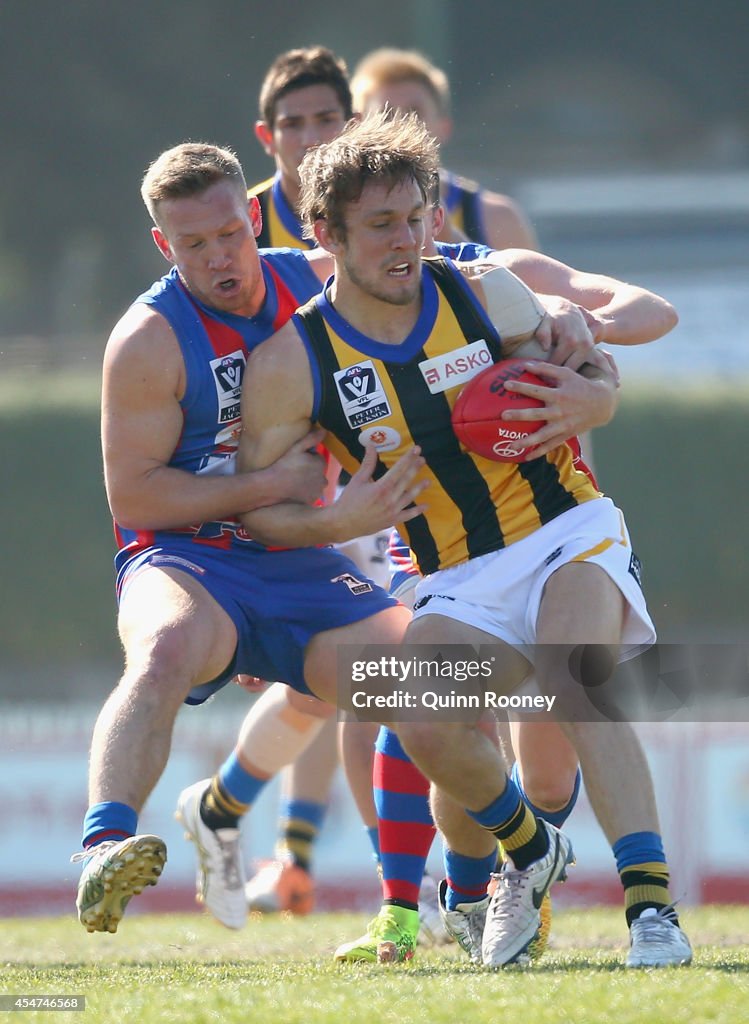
476,413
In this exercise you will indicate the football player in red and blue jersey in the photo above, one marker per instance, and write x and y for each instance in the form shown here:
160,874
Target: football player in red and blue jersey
199,599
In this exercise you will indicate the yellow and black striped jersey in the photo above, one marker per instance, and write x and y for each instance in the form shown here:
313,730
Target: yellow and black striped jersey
461,199
395,396
281,225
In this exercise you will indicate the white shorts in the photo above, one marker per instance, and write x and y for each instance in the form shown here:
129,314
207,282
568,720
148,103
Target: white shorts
500,593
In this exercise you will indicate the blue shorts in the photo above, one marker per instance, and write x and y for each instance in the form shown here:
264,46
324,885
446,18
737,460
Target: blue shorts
278,600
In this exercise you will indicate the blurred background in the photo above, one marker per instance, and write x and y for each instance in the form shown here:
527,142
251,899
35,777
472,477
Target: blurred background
621,129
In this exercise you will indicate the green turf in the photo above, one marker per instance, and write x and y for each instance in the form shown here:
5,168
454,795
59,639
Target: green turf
187,968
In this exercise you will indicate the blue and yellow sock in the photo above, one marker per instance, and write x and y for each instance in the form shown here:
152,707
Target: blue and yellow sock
515,826
230,795
644,874
299,826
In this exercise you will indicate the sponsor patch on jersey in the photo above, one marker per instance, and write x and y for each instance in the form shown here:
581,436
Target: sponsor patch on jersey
355,586
452,369
385,439
227,376
361,393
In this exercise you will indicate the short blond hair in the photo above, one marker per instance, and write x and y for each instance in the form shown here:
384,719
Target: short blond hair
384,147
389,66
188,170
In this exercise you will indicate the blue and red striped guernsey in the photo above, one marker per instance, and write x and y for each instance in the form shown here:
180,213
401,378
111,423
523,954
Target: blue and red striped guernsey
215,347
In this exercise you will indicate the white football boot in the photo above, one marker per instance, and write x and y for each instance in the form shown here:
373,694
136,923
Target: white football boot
220,878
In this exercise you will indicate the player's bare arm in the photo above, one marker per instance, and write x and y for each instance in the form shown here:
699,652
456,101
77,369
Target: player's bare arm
624,314
277,400
143,380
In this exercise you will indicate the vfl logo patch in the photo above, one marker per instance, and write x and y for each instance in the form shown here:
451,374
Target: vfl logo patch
361,393
355,586
228,372
457,367
635,569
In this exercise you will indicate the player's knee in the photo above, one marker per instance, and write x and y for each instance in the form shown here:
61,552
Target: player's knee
550,791
160,671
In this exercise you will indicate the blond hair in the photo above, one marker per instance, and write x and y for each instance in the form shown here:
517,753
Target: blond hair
389,66
188,170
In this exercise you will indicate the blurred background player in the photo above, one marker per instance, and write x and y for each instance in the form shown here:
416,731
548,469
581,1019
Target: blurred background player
305,99
406,80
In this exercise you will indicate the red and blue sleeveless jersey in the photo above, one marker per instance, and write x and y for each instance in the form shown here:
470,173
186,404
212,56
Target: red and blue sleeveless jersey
215,346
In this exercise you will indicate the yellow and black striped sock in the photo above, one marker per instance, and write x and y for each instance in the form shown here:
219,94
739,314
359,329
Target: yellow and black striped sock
218,809
299,825
645,885
523,841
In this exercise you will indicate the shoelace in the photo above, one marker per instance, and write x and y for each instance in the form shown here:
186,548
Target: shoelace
228,852
653,930
657,927
668,912
514,882
231,872
88,854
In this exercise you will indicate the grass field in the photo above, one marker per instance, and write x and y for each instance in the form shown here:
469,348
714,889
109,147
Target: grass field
187,968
